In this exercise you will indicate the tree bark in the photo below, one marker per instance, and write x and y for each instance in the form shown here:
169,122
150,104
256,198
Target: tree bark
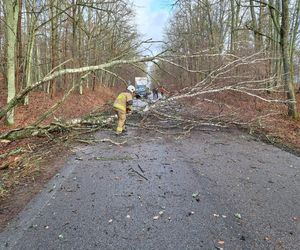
19,68
54,44
11,19
284,35
295,32
31,19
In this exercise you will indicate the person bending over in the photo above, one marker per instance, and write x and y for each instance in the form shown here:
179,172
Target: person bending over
122,106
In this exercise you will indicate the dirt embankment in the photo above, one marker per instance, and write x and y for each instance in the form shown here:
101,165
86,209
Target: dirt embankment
75,106
267,120
22,175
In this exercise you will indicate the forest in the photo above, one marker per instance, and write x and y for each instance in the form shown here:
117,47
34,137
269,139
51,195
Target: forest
48,45
210,160
231,62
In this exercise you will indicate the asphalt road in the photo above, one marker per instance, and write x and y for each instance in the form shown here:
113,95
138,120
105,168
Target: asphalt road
208,190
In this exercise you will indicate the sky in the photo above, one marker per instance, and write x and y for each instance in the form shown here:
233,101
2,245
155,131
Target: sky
151,18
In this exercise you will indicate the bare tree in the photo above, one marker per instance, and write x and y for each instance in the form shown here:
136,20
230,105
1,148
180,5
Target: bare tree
11,8
67,34
284,40
253,26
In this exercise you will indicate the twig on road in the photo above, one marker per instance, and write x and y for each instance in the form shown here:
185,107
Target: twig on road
138,173
143,171
102,140
113,142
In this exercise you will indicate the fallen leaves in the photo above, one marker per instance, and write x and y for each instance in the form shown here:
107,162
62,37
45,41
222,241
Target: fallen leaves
217,215
160,213
33,226
238,216
191,213
196,194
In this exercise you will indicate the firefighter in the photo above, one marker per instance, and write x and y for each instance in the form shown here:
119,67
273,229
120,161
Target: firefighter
122,106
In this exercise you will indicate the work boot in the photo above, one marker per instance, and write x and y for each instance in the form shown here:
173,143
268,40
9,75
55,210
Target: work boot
118,133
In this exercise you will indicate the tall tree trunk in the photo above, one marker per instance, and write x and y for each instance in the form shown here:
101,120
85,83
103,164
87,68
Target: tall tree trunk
31,19
79,44
260,27
275,17
254,25
11,19
210,23
294,33
65,46
54,44
74,37
89,44
284,35
235,13
38,72
19,70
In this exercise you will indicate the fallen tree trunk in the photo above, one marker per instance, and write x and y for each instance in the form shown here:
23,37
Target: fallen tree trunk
96,120
18,98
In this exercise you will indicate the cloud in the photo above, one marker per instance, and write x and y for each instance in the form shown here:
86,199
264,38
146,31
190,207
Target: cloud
151,18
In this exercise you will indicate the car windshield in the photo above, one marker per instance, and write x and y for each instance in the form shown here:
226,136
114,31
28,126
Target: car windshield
140,87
